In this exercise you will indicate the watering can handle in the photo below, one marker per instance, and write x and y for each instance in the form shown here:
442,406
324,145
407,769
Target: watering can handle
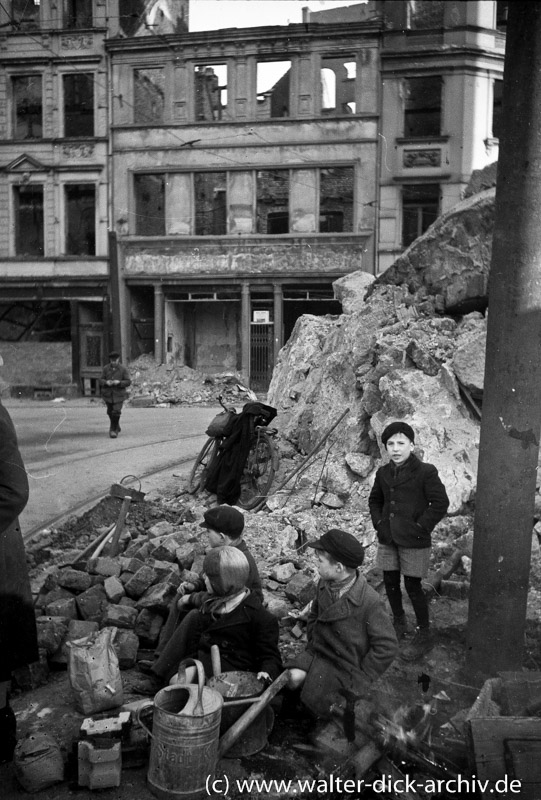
193,662
144,705
131,476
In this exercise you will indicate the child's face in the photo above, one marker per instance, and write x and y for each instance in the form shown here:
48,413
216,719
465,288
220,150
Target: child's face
399,448
328,570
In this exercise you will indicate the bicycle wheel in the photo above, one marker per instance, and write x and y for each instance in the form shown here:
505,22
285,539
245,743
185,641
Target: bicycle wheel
198,475
259,471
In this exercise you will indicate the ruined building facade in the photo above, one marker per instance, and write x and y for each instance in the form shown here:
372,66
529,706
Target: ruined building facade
191,194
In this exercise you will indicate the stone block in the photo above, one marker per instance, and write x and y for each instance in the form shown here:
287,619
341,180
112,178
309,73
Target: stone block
119,616
300,589
283,572
158,597
130,564
162,528
32,675
129,602
148,627
73,579
92,603
185,555
140,581
64,607
126,644
277,606
104,565
51,632
114,590
164,551
359,463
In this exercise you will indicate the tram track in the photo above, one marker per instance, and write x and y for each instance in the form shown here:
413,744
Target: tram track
90,501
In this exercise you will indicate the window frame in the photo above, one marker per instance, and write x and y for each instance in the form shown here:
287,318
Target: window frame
15,188
408,113
63,75
419,206
12,77
65,221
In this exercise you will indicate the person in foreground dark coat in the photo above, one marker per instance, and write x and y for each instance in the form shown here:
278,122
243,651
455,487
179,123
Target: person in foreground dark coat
114,381
18,637
351,639
406,502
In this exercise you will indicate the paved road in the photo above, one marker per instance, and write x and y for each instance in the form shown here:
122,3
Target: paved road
71,460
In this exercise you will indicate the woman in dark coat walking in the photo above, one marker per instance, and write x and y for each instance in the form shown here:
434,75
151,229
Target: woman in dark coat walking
18,639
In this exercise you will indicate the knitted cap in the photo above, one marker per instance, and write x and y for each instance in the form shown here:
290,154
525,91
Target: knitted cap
227,569
397,427
342,546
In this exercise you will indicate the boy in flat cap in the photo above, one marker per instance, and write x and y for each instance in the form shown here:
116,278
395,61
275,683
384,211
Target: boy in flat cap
114,381
406,502
351,639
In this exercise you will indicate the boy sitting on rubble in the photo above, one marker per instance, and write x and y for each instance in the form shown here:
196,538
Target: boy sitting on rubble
351,639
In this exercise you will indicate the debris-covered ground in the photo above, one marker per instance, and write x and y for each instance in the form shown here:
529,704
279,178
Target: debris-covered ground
160,545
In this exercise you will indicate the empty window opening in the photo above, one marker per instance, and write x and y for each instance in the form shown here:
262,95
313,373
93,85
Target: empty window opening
79,104
210,203
336,199
338,81
149,87
27,107
77,13
81,220
150,205
422,116
28,207
502,10
25,14
423,14
420,208
497,93
272,201
273,83
210,92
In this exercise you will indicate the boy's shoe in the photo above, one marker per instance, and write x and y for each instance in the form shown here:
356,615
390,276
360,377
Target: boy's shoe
419,646
400,625
112,433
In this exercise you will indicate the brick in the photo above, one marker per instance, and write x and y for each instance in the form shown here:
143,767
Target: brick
162,528
92,603
301,589
119,616
126,644
140,581
114,590
158,597
185,555
74,579
130,564
104,565
277,606
65,607
283,572
148,627
51,633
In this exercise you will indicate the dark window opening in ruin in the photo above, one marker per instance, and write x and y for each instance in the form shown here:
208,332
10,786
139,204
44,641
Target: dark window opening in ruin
77,13
210,203
336,199
27,107
142,320
338,80
81,220
272,201
149,85
497,94
150,205
26,320
79,104
131,15
210,82
423,14
25,14
273,84
420,208
502,10
28,207
422,114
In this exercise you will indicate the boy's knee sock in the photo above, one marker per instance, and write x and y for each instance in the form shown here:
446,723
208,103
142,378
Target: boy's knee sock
416,593
391,579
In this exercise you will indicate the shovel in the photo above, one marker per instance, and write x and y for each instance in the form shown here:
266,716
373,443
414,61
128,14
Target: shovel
128,496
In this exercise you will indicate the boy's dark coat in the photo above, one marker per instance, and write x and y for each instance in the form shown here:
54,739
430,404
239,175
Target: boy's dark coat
406,508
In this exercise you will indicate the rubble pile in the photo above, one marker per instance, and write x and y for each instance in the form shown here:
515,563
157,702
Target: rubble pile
158,384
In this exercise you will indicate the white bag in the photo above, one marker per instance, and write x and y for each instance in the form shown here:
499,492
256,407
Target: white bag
94,673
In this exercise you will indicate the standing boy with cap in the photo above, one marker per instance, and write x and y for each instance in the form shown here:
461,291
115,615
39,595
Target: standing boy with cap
407,501
351,640
114,381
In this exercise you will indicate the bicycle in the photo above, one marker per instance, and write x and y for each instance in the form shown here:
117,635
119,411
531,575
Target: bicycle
260,465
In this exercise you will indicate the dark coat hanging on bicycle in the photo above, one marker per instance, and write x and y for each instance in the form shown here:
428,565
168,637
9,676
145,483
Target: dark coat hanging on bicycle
225,474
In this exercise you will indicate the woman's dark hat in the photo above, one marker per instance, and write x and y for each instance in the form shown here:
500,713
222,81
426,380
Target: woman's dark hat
342,546
224,519
397,427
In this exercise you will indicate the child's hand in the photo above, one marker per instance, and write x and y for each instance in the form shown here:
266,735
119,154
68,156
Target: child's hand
183,601
184,587
296,678
265,677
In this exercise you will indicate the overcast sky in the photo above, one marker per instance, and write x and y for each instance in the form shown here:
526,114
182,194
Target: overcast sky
214,14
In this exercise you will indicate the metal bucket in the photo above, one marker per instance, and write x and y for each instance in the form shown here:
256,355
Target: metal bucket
236,687
185,734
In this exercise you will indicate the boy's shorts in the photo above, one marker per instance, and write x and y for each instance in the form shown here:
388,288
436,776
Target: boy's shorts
412,561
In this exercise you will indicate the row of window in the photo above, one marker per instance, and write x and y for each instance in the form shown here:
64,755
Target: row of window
420,207
74,14
212,215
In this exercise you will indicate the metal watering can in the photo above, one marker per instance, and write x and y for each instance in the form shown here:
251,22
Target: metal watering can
186,743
